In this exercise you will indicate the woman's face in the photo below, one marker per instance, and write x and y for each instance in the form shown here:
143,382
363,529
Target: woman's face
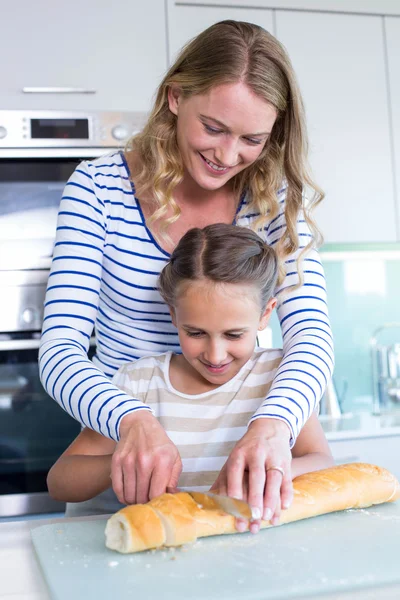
220,133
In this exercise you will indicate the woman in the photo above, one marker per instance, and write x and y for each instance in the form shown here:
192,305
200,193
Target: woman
225,142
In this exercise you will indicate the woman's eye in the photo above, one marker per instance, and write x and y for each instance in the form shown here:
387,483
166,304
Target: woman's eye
212,129
253,141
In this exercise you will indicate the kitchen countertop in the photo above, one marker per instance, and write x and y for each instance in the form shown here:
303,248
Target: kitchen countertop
21,578
361,425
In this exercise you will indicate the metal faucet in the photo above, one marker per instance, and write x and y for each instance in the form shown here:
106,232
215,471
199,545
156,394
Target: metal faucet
385,370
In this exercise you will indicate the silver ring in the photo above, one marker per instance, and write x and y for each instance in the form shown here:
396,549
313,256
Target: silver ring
273,468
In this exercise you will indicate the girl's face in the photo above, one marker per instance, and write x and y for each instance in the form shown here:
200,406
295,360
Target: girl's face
220,133
217,325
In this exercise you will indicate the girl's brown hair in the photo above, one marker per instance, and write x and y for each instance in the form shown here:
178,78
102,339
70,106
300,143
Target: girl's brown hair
222,254
231,52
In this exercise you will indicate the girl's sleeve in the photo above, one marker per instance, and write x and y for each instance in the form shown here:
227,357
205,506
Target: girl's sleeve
308,356
70,311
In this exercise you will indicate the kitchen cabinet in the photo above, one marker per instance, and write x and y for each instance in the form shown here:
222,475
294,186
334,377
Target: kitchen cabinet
185,22
340,64
383,451
350,6
392,29
117,52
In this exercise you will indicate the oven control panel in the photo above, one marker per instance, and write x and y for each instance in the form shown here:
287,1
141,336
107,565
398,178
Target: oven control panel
58,129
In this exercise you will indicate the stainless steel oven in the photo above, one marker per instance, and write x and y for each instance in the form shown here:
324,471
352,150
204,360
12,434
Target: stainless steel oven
38,152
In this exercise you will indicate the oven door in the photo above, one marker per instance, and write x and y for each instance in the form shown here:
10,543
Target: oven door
34,430
31,186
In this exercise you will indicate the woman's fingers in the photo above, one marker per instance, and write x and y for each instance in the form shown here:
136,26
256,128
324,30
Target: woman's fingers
145,461
235,467
117,479
287,489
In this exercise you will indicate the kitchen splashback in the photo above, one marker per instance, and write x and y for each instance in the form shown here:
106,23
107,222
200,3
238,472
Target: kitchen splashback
363,282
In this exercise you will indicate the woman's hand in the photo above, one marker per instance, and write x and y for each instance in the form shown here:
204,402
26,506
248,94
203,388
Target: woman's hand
248,472
145,461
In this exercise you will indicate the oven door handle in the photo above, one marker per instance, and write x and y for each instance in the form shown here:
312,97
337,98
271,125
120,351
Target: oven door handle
6,345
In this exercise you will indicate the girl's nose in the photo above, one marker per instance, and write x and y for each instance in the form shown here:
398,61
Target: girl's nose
215,353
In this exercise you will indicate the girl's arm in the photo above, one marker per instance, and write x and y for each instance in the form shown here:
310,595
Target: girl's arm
311,451
83,470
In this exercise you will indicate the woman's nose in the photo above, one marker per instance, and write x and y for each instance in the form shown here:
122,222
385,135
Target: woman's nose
227,153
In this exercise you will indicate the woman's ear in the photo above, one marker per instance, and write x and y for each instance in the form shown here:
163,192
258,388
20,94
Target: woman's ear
174,97
265,317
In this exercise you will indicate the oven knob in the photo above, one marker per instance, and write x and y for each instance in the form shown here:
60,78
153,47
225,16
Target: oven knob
120,132
28,316
3,132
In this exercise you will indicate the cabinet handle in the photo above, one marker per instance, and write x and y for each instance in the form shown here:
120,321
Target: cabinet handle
56,90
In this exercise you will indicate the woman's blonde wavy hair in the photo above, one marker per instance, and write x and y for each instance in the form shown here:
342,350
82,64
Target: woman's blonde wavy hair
229,52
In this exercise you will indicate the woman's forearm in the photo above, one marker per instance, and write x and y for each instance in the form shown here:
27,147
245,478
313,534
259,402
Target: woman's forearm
77,478
311,462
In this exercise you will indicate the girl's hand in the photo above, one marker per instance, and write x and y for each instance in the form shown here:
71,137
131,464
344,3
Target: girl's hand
145,461
248,473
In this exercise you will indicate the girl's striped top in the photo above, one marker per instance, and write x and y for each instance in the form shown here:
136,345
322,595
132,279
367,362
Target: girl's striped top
204,427
103,277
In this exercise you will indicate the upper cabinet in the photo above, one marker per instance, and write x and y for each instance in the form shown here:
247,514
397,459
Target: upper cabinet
340,64
112,56
185,22
392,28
387,7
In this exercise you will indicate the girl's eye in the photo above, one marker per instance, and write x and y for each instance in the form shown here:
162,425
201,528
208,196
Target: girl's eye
211,129
234,336
194,334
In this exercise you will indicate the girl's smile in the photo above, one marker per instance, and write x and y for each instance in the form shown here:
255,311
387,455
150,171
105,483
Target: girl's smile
217,325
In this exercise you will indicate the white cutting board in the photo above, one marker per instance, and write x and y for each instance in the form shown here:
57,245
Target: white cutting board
337,552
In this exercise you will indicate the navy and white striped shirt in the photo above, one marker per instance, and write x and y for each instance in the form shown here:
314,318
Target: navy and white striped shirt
103,276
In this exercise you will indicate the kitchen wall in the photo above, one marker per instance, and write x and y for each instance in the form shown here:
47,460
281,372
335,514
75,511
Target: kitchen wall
363,282
347,58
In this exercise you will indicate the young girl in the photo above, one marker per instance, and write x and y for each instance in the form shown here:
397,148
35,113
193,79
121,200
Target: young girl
225,142
218,285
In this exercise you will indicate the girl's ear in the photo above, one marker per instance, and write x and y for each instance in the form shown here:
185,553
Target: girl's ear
265,317
174,97
173,315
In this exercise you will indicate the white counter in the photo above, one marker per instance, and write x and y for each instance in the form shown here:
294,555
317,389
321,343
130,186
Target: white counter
21,578
362,425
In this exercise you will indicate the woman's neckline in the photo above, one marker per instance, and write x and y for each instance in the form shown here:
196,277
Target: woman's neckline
150,233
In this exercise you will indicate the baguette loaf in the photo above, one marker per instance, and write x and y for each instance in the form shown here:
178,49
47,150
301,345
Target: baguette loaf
175,519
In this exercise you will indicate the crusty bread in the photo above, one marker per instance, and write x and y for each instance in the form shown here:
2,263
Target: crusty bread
175,519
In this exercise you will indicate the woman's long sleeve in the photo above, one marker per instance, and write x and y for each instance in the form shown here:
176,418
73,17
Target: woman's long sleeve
71,309
308,359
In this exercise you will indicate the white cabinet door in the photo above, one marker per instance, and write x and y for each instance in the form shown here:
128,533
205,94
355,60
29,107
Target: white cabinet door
340,64
116,49
392,26
381,451
185,22
357,6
